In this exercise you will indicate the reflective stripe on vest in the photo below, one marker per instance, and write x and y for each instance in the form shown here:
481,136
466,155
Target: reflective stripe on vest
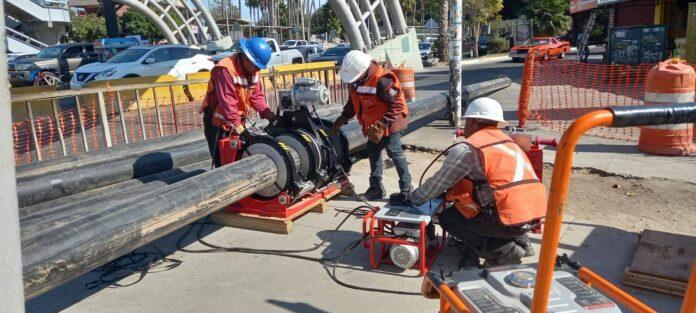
368,107
508,185
242,88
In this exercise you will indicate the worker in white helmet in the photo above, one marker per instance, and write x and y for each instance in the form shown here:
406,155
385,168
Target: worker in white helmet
378,102
495,194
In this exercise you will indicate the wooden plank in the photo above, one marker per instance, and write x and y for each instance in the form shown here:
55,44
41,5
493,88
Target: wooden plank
662,285
664,255
268,224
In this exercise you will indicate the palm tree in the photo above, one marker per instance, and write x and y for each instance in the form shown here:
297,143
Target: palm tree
442,30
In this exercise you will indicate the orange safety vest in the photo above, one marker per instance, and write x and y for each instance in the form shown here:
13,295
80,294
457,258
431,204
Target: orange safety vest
368,107
243,89
508,185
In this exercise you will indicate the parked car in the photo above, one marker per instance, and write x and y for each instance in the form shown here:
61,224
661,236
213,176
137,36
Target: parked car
335,54
145,60
426,51
278,57
316,43
309,50
313,52
19,56
547,47
484,43
52,65
289,44
342,45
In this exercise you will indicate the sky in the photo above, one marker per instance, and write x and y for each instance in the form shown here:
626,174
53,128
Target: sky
246,13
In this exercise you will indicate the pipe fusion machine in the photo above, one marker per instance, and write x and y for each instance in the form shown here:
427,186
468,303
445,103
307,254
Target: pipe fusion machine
310,162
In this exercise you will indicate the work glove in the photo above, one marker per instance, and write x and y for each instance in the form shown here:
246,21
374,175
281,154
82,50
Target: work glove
337,124
376,131
271,117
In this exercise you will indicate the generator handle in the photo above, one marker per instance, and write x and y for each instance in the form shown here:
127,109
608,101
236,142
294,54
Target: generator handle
678,113
560,184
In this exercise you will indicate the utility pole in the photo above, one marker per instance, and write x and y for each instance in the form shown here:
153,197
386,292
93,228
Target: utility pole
455,45
110,18
12,295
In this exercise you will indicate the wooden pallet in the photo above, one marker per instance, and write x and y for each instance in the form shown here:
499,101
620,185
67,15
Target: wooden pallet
662,262
265,223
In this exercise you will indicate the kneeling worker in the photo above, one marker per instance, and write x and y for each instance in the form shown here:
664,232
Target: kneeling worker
496,194
378,102
233,90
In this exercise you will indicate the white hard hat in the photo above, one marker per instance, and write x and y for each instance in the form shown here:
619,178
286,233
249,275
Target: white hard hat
487,109
354,65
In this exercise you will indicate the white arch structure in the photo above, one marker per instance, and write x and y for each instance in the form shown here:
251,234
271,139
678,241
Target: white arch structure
160,16
361,21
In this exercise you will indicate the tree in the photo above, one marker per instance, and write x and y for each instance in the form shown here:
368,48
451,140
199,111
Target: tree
325,20
86,28
478,12
134,23
442,39
549,16
223,9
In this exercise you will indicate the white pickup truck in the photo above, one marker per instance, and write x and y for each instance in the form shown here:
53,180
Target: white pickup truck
278,57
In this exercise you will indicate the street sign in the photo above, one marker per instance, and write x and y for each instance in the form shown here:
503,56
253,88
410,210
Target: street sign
431,24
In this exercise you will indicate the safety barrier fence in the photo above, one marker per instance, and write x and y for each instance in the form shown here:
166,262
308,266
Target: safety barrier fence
556,92
68,122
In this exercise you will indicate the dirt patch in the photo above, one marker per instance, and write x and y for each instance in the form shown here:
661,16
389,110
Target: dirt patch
631,204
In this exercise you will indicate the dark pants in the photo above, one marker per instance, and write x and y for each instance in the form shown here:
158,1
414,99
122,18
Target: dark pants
487,236
212,135
394,151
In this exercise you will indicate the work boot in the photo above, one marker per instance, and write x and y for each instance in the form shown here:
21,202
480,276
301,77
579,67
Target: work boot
523,241
509,254
373,193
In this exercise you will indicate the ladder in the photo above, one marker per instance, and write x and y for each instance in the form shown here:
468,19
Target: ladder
583,52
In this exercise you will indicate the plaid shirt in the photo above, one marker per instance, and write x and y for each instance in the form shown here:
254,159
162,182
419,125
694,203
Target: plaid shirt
460,161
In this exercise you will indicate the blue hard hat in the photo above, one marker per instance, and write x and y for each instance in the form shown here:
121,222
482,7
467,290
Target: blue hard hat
257,50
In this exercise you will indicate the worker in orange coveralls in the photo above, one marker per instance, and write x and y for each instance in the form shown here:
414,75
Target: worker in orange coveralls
233,90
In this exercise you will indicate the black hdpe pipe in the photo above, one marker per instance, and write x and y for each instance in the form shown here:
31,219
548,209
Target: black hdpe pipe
104,156
40,217
96,175
67,251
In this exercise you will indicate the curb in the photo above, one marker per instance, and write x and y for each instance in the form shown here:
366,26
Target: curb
481,60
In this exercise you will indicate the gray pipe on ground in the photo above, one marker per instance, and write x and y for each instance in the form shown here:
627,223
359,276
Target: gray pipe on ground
37,169
61,184
66,251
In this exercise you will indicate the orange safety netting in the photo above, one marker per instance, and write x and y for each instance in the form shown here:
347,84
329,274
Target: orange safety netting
559,91
133,121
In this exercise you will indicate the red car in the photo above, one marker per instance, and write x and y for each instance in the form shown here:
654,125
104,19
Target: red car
546,47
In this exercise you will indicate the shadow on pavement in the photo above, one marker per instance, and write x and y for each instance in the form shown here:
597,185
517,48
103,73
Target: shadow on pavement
297,307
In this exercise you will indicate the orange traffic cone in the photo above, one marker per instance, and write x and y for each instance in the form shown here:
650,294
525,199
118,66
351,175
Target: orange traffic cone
671,81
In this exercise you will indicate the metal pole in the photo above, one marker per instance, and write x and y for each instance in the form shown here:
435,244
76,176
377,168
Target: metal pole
122,117
83,131
110,18
12,295
104,119
61,138
455,88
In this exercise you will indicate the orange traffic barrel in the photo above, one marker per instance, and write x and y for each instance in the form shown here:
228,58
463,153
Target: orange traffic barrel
671,81
408,82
